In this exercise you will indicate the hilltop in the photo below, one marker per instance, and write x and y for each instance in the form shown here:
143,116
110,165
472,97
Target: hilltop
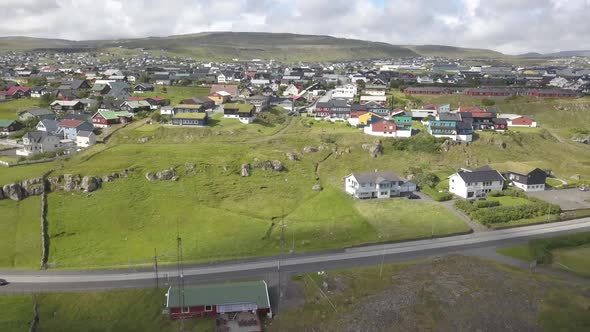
248,45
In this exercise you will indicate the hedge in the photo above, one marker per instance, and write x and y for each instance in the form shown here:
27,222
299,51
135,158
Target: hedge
486,204
541,249
487,212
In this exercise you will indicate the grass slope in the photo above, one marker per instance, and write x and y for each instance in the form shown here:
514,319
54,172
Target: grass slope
9,110
20,235
575,260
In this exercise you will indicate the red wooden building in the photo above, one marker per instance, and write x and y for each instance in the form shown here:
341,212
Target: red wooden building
552,93
488,92
210,300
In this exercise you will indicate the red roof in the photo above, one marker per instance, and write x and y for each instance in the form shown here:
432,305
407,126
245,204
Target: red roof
430,107
473,109
13,89
231,89
135,98
356,114
157,98
482,115
70,123
384,126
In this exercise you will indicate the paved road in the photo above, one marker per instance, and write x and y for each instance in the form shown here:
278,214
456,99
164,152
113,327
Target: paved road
31,281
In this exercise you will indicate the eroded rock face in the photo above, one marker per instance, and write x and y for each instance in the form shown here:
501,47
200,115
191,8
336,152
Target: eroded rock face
72,182
34,190
13,191
292,156
245,170
376,150
310,149
90,184
150,176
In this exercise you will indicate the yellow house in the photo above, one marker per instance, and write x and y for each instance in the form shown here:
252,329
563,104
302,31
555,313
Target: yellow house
219,97
367,118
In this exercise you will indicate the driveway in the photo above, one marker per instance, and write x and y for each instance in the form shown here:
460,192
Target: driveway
568,199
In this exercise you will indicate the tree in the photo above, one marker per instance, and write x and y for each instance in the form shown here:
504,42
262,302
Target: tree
360,84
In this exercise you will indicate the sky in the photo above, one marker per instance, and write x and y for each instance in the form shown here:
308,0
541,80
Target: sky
509,26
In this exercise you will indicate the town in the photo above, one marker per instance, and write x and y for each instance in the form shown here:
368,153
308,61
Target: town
225,186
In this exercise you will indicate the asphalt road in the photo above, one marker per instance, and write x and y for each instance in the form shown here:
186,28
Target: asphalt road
52,281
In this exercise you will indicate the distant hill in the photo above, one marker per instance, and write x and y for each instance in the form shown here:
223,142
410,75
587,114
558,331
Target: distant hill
562,54
249,45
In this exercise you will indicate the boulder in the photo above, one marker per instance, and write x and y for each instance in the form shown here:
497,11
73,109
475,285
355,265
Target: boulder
310,149
89,184
501,145
31,182
72,182
166,174
54,183
265,165
317,187
150,176
292,156
13,191
34,190
277,165
115,175
107,178
245,170
124,173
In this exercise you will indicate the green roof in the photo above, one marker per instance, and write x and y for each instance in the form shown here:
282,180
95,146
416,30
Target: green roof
242,108
5,123
98,87
198,116
218,294
112,115
188,106
137,104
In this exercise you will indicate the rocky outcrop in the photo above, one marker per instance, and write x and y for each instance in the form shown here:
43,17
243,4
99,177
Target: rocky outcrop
310,149
292,156
90,184
107,178
376,150
245,170
13,191
277,165
166,174
317,187
72,182
190,167
1,193
150,176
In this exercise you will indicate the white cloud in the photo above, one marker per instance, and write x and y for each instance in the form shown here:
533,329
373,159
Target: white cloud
504,25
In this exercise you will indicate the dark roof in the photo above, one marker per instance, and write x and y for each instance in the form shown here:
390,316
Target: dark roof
376,177
481,175
35,136
449,117
84,133
38,112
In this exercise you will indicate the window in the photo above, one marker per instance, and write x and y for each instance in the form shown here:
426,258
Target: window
384,193
208,308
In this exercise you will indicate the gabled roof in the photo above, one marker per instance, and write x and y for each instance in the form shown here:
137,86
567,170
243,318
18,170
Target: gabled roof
6,123
230,293
38,112
36,136
70,123
480,175
50,125
242,108
85,133
197,116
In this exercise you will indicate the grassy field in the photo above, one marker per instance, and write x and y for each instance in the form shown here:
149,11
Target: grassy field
576,260
9,110
133,310
177,93
519,252
433,295
20,238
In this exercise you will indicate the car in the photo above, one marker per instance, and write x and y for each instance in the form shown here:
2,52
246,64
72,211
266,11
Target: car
3,282
413,196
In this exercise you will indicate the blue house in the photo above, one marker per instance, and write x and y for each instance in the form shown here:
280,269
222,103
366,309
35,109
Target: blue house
70,128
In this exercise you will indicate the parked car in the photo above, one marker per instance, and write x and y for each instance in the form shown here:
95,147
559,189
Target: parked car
583,188
3,282
413,196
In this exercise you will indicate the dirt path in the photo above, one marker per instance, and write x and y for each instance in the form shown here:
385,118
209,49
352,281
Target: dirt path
475,226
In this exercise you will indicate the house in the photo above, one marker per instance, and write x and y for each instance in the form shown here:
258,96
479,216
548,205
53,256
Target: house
8,127
143,87
17,92
39,91
188,108
246,113
209,300
85,139
291,90
47,125
69,129
35,142
515,120
100,89
552,93
105,119
66,105
334,109
381,100
207,104
385,128
377,185
261,102
375,90
477,183
231,89
167,110
190,119
427,91
39,114
220,97
528,179
347,91
489,92
136,106
451,125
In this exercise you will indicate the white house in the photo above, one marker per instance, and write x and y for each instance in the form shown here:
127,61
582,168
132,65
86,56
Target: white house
35,142
528,179
347,91
478,183
375,90
375,99
221,78
515,120
167,110
291,90
48,126
85,139
377,185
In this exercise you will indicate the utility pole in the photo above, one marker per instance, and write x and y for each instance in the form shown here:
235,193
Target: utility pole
180,271
156,267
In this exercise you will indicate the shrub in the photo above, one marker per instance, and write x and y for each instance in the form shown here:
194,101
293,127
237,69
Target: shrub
486,204
419,143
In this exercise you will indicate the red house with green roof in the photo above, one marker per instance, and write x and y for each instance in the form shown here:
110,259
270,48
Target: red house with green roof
104,119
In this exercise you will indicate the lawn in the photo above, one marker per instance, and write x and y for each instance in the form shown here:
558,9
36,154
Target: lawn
177,93
129,310
20,238
9,110
519,252
576,260
510,201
